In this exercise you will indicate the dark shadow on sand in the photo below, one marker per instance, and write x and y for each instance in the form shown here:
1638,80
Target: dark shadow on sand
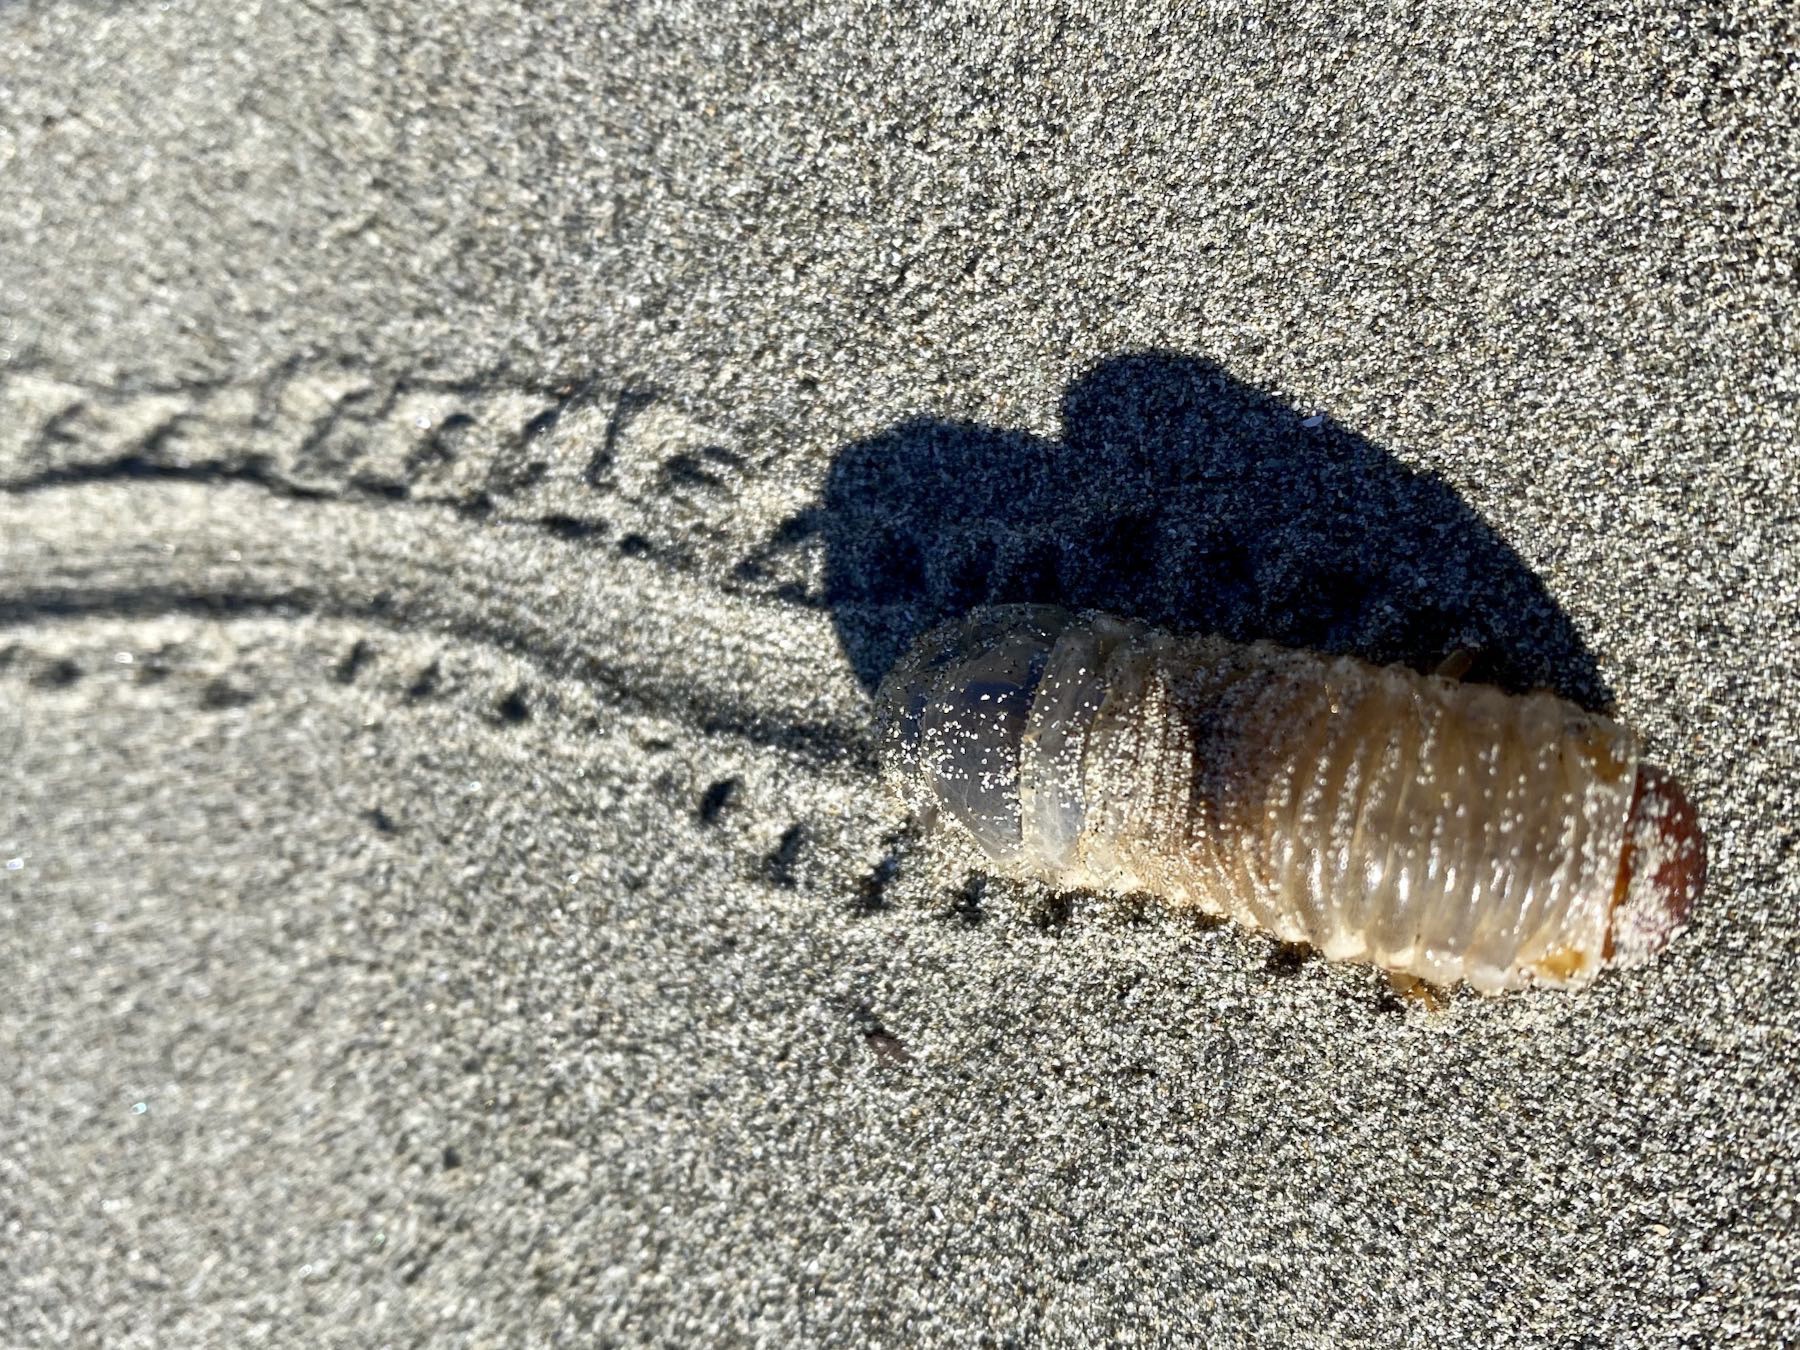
1184,497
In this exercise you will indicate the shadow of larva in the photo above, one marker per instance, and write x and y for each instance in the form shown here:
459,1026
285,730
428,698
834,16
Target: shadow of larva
1181,496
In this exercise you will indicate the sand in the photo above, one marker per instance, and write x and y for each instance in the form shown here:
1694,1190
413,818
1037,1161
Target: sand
462,473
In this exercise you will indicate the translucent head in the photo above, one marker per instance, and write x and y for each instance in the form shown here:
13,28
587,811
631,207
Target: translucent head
952,715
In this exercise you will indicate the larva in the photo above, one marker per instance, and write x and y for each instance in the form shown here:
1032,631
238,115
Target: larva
1436,829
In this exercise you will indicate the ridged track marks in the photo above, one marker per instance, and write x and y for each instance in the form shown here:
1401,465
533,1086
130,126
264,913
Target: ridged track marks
652,640
614,467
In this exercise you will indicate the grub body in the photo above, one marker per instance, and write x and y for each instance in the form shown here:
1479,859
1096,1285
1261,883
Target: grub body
1447,831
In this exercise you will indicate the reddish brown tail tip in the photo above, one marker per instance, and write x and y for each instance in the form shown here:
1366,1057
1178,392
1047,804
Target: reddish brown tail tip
1662,871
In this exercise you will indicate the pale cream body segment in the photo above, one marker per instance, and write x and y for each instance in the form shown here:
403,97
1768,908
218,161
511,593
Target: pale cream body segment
1447,831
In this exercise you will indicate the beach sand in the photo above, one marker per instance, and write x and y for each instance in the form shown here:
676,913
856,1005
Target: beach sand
461,477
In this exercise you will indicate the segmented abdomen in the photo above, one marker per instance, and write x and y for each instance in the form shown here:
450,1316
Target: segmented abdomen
1448,831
